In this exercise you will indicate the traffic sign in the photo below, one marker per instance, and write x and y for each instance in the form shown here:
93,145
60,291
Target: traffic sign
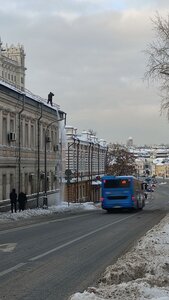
68,172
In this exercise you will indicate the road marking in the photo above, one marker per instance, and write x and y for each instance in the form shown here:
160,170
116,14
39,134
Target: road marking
12,269
78,239
42,223
8,247
63,245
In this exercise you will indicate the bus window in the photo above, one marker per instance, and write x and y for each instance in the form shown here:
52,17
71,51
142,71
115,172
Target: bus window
116,183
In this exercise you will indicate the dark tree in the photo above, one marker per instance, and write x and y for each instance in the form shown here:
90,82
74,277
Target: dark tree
92,132
120,161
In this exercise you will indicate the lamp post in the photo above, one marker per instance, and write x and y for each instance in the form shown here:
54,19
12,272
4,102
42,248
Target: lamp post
77,164
91,178
19,152
38,185
90,166
89,161
98,160
45,198
69,171
105,160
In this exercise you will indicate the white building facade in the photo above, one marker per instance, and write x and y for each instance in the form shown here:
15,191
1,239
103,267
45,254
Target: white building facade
30,159
12,65
85,165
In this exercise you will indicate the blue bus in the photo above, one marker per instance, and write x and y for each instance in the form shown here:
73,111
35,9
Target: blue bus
122,192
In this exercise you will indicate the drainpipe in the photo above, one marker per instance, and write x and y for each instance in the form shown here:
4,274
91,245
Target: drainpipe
38,186
89,187
105,160
77,163
45,198
91,171
98,160
19,146
69,170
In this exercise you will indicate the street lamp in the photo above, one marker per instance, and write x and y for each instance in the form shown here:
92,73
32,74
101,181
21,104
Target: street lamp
89,148
68,171
98,160
105,159
47,140
77,167
91,178
90,166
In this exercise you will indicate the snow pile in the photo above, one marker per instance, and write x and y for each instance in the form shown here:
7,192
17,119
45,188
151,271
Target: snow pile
64,207
142,273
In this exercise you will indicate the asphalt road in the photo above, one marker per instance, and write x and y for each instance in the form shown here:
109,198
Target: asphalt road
54,257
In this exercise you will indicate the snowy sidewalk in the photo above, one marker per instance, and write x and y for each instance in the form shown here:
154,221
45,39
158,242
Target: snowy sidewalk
6,217
142,273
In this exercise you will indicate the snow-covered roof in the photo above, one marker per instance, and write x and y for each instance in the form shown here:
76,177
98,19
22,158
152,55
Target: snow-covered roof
29,94
84,136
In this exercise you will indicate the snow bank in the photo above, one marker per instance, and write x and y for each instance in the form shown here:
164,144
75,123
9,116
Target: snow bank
64,207
142,273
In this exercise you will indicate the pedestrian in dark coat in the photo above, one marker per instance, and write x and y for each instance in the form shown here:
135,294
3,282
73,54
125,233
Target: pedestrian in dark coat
22,199
13,199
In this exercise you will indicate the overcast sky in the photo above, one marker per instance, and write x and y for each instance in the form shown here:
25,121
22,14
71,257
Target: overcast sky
89,53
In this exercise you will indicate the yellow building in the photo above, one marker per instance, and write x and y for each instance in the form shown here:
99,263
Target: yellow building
162,170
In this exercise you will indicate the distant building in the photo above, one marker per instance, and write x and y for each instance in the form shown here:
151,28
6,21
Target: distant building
85,165
12,65
129,142
140,166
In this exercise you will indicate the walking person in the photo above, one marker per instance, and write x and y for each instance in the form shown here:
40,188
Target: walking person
22,199
13,199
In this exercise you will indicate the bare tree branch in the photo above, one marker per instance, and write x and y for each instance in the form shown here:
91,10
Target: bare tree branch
158,59
120,161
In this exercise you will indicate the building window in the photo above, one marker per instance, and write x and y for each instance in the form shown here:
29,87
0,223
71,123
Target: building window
3,186
21,134
52,180
11,182
52,138
43,139
12,125
26,135
83,193
9,76
4,131
32,184
32,136
26,183
21,182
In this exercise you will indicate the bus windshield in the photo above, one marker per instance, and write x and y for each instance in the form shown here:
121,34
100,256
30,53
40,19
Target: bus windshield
116,183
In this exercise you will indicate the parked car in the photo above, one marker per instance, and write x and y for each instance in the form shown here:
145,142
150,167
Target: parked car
150,188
